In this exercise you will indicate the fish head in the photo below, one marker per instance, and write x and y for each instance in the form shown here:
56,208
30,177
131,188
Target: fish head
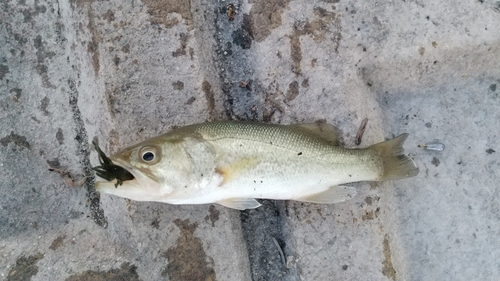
158,165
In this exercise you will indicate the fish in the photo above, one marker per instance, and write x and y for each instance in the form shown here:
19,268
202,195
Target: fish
233,163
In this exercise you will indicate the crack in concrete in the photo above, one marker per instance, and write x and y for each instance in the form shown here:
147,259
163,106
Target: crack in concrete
83,152
261,228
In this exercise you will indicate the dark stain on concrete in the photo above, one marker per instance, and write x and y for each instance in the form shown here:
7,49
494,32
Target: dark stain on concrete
421,51
109,16
493,87
387,267
213,215
292,92
126,48
126,272
159,10
435,161
305,83
370,215
4,69
209,95
369,200
319,28
296,50
178,85
273,107
25,268
243,36
43,106
490,151
57,243
265,16
190,100
116,60
112,100
183,39
187,259
156,223
16,94
93,45
16,139
60,136
42,54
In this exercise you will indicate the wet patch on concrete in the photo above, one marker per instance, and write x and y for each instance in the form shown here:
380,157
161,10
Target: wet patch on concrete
41,55
112,100
25,268
126,272
292,92
60,136
57,243
266,16
370,215
243,36
274,106
387,267
305,83
187,260
156,223
493,87
4,69
181,51
16,94
19,141
213,215
326,23
435,161
160,11
43,106
178,85
210,96
93,44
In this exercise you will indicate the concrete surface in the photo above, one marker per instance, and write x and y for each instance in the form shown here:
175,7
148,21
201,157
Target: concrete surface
124,71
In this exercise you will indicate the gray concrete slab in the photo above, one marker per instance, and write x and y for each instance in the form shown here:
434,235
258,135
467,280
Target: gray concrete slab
74,71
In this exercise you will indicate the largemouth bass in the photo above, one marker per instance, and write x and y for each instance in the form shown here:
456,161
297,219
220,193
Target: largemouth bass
232,163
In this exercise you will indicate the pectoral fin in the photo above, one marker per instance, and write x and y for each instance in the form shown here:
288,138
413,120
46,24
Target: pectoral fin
240,203
334,194
236,169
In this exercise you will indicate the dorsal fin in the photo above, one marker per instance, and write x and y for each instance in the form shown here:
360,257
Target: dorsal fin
324,131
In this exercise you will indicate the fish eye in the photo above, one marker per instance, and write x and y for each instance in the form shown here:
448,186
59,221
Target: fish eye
150,154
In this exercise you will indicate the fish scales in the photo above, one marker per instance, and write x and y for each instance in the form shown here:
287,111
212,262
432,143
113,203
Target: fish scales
298,143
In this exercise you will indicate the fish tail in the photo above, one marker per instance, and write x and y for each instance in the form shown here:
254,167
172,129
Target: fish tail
396,165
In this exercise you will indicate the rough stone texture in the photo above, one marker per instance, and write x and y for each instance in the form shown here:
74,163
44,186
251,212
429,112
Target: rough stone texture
124,71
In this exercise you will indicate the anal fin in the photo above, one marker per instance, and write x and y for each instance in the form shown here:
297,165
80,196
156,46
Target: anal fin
334,194
240,203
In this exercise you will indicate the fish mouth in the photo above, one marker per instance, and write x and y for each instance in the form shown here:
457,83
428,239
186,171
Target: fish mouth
140,188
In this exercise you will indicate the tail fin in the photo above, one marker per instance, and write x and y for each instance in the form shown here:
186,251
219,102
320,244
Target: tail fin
396,164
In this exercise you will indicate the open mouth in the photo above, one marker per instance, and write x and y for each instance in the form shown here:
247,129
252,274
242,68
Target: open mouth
109,171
